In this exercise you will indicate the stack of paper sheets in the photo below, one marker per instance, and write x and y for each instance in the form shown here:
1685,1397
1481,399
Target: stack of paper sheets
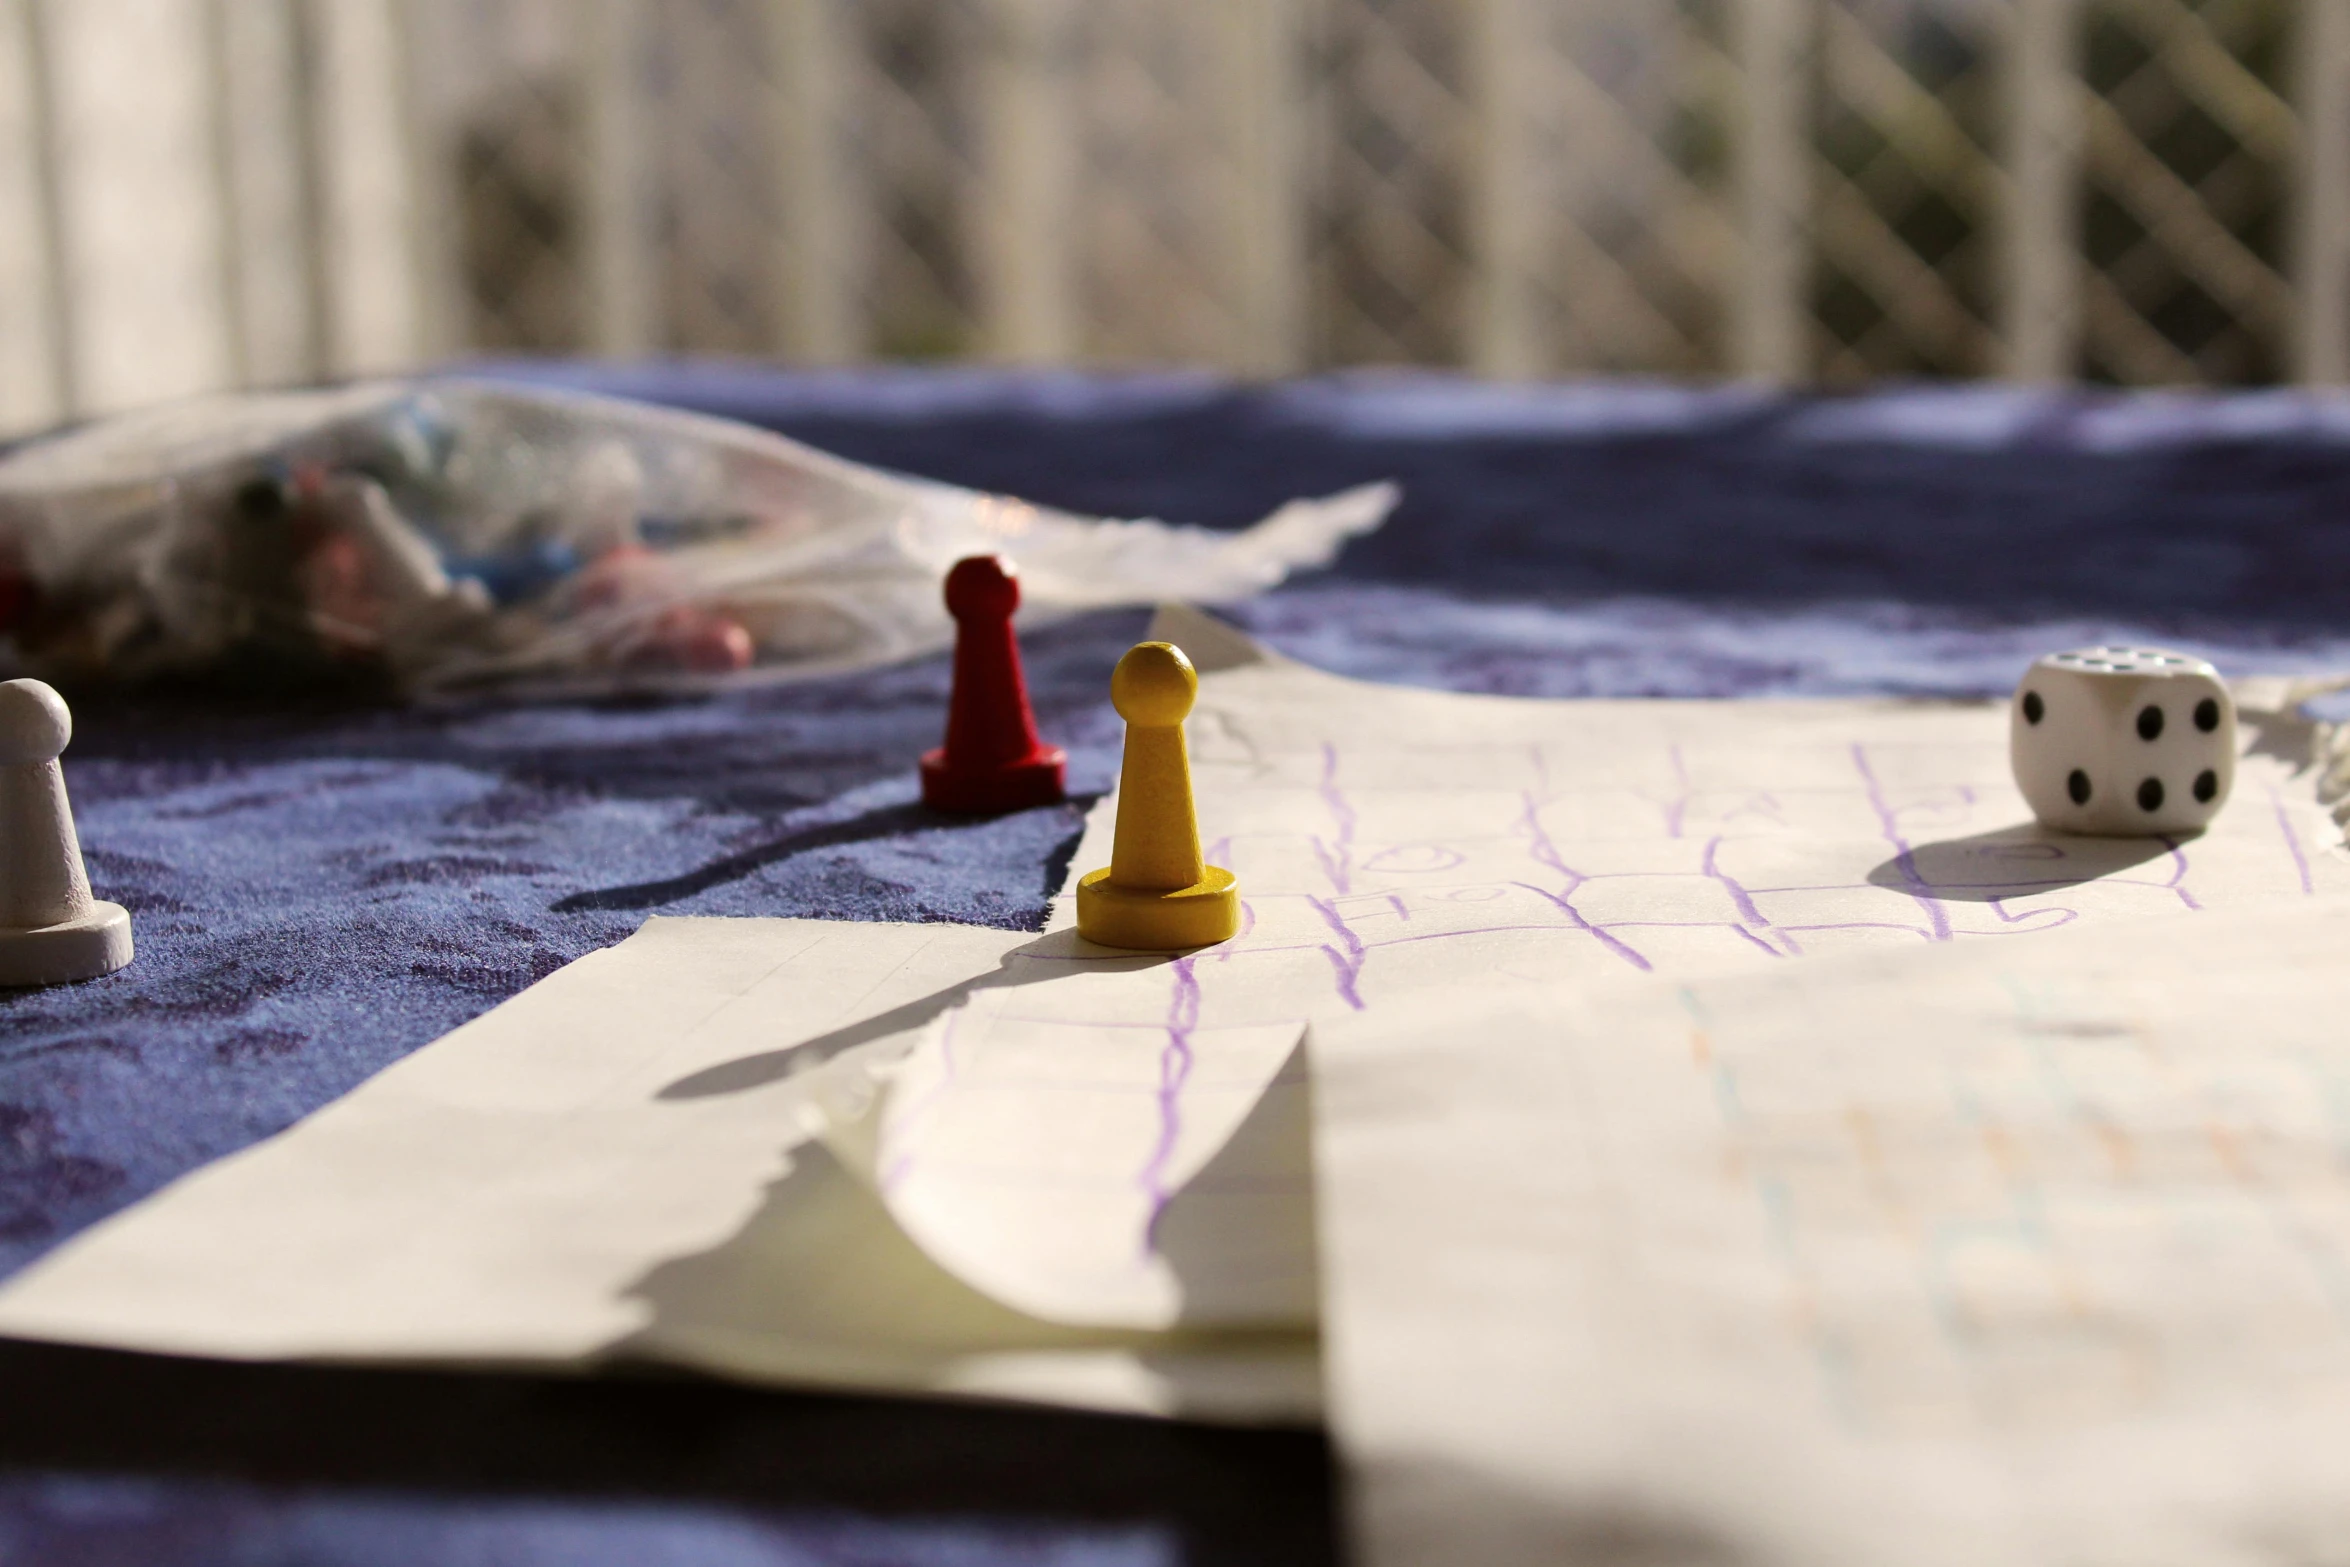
1668,1179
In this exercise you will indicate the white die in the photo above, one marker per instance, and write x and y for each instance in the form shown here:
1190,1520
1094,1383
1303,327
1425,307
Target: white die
2127,741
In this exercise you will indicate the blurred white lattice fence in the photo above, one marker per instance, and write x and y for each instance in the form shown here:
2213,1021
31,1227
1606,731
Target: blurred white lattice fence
199,193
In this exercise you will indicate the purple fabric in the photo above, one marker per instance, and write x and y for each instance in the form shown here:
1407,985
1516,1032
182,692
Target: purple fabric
320,890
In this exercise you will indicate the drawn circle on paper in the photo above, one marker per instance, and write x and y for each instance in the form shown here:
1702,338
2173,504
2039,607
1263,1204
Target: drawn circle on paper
1414,859
1474,894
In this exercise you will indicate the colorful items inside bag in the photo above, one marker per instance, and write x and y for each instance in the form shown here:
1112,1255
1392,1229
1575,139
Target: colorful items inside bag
446,535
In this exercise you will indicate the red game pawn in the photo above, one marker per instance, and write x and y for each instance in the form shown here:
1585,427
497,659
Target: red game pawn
992,760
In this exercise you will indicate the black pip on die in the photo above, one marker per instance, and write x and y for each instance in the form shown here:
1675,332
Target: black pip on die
2123,741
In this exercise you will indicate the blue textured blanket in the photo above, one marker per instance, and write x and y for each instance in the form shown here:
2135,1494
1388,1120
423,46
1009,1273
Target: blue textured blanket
318,891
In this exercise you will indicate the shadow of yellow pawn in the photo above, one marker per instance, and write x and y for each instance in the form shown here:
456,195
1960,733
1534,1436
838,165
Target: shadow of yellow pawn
1156,896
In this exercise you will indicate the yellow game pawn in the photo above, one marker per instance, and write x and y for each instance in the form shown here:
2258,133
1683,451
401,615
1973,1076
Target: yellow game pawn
1156,895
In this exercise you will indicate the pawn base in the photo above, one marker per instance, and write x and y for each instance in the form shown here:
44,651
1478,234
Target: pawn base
1152,919
96,943
1036,779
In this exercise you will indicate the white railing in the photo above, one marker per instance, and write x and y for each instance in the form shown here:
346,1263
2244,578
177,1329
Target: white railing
203,193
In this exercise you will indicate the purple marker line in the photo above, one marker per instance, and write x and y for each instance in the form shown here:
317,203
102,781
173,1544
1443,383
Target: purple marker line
1740,899
1677,808
1538,844
1604,935
2178,873
1348,964
2016,886
1337,859
1576,919
2007,916
2276,803
1174,1067
1226,951
1907,930
1904,861
1449,935
1344,973
1229,950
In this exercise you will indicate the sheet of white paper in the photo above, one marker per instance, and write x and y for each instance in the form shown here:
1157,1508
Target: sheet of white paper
1095,1101
2034,1253
1394,843
617,1164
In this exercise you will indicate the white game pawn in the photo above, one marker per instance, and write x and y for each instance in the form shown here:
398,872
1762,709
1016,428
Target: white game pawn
51,929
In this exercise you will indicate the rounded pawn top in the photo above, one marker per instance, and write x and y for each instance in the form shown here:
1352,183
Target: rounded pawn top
1154,685
982,587
34,722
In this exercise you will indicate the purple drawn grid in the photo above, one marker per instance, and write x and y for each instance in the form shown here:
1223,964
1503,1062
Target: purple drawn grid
1349,951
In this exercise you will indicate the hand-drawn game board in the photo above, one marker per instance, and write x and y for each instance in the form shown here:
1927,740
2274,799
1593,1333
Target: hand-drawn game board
1088,1149
1393,844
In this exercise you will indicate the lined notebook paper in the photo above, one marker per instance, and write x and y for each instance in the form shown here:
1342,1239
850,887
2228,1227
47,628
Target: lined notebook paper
2029,1252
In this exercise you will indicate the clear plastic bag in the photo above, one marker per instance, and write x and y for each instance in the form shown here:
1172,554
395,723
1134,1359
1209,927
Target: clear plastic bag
452,535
